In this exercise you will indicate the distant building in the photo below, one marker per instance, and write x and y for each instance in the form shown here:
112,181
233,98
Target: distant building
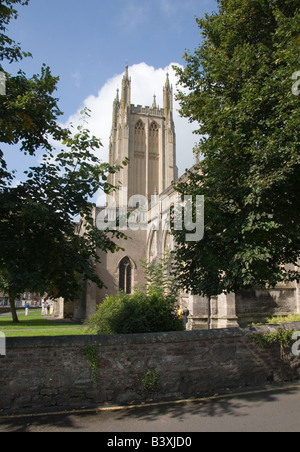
33,299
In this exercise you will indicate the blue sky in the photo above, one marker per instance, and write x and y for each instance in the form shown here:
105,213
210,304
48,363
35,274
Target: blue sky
87,44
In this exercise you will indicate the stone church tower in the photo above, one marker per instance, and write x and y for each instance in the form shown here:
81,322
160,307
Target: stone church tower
146,137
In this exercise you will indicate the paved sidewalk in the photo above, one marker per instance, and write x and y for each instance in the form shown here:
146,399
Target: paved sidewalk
276,410
8,314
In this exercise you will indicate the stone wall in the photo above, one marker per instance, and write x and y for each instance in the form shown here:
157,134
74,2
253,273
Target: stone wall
55,373
243,308
257,305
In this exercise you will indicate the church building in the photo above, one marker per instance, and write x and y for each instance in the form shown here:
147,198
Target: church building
145,137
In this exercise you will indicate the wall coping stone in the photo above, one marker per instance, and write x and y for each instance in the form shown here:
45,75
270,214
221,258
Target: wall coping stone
132,339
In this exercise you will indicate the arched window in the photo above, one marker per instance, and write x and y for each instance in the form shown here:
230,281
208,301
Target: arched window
125,276
153,171
154,128
138,163
153,138
139,127
140,137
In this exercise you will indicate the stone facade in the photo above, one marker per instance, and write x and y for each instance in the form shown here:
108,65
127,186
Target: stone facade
146,137
55,373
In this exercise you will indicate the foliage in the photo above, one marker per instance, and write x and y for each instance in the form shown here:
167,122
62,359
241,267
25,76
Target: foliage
9,49
137,313
284,318
150,310
283,337
161,278
150,383
92,357
239,89
39,250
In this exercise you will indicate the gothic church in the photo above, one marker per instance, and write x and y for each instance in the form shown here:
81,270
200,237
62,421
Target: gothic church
146,137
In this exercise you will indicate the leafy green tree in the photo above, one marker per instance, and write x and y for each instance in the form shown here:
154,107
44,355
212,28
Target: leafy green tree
40,249
28,113
160,277
9,49
239,89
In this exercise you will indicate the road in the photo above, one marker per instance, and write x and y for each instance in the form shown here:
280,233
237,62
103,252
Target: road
276,410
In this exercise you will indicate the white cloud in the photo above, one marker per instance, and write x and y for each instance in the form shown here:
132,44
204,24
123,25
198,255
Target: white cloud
146,81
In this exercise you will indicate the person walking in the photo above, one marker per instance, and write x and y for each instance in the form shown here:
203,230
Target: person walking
27,306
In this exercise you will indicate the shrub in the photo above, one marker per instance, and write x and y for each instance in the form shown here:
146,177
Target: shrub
282,337
150,383
137,313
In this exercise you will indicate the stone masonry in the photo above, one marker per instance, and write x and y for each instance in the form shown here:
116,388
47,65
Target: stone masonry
54,373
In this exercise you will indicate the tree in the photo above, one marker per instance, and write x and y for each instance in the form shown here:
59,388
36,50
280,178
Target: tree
239,90
40,251
9,49
22,107
160,277
29,114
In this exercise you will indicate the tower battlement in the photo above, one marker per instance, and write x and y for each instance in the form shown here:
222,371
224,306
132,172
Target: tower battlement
147,111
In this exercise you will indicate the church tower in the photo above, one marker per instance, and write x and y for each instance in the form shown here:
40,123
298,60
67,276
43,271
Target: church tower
146,137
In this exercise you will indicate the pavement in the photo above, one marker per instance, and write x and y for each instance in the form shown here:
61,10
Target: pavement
8,314
265,410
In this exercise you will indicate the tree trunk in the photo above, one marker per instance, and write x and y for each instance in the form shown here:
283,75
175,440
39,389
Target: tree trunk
12,302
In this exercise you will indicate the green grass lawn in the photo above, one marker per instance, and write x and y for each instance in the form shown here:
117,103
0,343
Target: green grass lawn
36,325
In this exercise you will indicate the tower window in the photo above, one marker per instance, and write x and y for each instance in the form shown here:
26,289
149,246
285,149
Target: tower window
125,276
153,136
140,138
154,127
139,126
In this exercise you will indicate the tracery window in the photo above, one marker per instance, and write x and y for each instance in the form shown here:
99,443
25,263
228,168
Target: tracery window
154,128
140,137
153,138
139,126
